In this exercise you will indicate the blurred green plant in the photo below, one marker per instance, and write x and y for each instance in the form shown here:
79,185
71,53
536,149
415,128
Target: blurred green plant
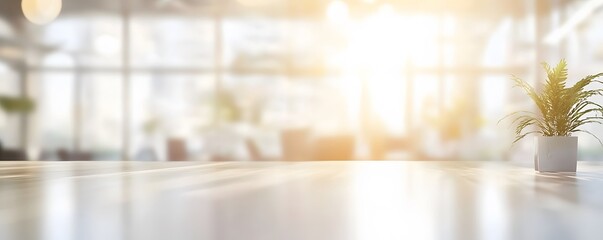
561,110
227,109
151,126
16,104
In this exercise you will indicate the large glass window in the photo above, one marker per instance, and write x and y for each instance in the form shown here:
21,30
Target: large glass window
101,115
93,39
165,107
170,41
53,121
9,86
200,72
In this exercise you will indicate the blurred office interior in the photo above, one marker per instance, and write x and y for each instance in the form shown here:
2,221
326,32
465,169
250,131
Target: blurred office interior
254,80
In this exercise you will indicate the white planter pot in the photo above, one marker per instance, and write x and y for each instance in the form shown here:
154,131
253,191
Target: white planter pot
556,154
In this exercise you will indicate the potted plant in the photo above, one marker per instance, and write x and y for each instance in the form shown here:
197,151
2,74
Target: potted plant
14,105
562,111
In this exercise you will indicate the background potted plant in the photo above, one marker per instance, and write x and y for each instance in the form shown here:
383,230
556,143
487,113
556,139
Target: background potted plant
13,106
562,111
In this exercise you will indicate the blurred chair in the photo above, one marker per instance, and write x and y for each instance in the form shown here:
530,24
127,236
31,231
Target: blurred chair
254,151
65,155
398,143
225,143
81,156
295,144
146,153
176,149
340,147
13,155
48,155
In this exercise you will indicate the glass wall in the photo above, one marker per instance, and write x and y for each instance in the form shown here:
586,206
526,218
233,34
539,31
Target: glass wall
188,80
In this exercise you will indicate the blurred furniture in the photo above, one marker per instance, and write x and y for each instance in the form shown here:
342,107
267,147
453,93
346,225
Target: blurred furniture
225,143
48,155
146,153
295,144
65,155
339,147
398,143
176,149
254,151
12,155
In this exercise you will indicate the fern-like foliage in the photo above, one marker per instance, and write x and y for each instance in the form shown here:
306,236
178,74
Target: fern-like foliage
561,110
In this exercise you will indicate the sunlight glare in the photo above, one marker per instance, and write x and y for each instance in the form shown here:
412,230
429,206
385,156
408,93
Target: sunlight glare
337,11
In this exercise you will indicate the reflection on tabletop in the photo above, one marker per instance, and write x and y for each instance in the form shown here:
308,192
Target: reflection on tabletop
299,200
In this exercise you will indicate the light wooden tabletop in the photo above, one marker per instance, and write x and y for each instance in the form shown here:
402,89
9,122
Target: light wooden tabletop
298,200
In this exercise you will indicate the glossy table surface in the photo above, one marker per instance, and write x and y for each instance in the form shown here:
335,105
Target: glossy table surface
298,200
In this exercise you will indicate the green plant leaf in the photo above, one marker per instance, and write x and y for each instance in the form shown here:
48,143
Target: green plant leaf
561,110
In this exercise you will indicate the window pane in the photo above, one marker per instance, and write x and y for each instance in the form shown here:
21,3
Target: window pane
89,39
255,43
172,42
425,99
388,98
52,123
101,115
169,106
493,103
9,122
